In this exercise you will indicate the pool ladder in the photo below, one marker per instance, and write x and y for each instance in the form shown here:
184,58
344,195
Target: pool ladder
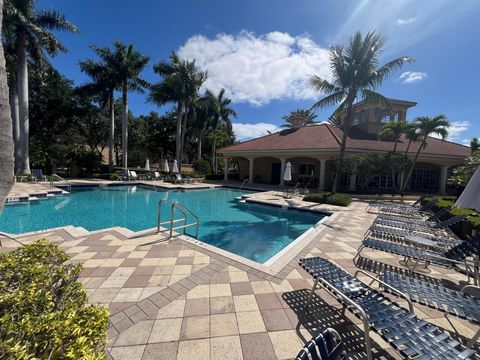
175,205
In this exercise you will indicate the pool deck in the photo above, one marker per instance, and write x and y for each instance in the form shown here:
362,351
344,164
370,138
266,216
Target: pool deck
177,299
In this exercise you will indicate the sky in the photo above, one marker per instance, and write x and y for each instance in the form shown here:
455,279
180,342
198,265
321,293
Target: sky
263,51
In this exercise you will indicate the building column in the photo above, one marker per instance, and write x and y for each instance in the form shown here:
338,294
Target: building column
250,170
353,179
225,168
321,179
442,184
282,171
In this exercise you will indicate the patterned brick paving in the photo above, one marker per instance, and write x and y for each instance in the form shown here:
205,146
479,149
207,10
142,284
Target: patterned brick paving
175,300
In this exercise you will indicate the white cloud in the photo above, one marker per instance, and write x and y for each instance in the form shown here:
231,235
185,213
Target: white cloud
411,77
250,131
456,129
258,69
406,21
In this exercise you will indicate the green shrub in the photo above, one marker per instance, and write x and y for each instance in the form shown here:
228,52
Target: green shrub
329,198
464,229
43,309
201,166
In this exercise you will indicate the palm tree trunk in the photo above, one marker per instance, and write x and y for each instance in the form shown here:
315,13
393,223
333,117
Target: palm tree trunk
178,138
346,128
214,154
395,146
410,171
13,96
111,133
199,147
182,141
6,140
22,87
124,129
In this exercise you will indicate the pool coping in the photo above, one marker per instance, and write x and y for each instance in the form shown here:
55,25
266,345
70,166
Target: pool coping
271,267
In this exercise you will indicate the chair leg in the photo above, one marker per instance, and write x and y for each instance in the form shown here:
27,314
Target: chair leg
358,253
368,346
474,339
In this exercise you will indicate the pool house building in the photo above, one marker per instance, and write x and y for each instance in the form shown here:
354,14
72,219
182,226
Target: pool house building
311,149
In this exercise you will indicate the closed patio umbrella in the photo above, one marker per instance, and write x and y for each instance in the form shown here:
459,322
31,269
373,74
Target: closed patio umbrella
175,167
147,165
287,176
470,198
165,166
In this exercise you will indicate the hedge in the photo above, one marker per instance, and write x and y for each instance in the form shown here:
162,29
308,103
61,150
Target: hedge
329,198
44,312
466,228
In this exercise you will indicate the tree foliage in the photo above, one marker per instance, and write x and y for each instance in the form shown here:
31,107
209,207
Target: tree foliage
462,174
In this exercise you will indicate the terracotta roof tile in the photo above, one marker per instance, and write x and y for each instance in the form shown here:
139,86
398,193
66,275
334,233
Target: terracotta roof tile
325,137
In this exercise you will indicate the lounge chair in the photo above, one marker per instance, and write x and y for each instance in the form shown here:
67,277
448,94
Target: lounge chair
426,227
411,211
435,217
414,338
325,346
38,175
464,304
179,179
156,176
456,257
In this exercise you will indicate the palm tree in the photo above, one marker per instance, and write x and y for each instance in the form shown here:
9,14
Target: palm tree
393,131
105,81
222,112
180,83
8,41
129,63
6,140
427,126
412,134
474,144
355,75
306,116
32,31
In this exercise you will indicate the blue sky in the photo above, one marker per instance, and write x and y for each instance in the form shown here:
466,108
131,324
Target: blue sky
263,51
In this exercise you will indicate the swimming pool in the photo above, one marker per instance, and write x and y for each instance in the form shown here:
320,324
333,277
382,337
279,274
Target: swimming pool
253,231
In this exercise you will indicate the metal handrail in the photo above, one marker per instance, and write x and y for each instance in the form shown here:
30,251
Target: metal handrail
185,212
9,237
69,186
243,183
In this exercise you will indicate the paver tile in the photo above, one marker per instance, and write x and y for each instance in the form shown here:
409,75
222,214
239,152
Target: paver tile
226,348
194,349
165,330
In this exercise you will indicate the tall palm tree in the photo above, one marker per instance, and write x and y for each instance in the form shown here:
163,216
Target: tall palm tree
8,41
222,113
474,144
33,36
307,116
180,83
129,63
412,134
6,140
105,81
355,75
393,131
427,126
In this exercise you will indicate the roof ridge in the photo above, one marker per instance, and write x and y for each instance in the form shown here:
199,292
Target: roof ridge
333,134
449,141
250,140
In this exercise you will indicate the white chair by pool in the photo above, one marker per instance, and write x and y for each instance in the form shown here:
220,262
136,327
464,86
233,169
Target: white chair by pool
132,175
156,176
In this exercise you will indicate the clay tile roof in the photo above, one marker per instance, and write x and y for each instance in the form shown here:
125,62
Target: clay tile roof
328,137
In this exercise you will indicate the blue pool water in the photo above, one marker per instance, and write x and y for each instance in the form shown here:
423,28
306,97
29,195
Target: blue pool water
253,231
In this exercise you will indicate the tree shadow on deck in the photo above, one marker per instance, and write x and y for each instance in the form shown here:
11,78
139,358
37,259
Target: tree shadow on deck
317,316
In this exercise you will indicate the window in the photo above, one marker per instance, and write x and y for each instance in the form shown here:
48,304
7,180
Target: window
424,179
358,119
306,169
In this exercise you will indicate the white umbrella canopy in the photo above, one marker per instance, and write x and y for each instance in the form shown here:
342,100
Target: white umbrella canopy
470,198
165,166
147,165
287,175
175,167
